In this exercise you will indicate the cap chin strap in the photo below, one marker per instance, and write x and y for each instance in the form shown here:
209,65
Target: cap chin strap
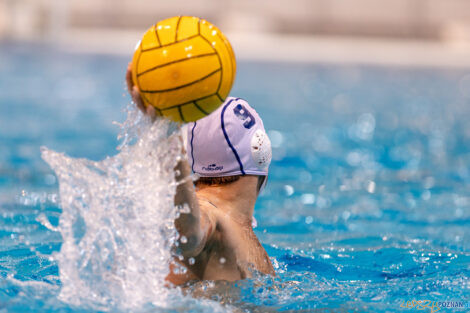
263,185
261,149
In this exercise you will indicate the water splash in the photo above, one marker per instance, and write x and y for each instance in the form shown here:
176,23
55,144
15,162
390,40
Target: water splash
118,216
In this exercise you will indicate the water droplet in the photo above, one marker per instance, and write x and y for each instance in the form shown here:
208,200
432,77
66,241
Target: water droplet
191,261
276,138
354,158
426,195
429,182
183,239
308,198
289,190
184,209
323,202
222,260
371,187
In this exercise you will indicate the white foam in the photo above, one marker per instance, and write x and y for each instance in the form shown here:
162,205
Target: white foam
117,222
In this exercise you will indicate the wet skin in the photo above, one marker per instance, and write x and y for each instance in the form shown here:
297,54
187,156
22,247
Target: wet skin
219,242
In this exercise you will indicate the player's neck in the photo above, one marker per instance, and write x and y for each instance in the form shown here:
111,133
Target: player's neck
237,199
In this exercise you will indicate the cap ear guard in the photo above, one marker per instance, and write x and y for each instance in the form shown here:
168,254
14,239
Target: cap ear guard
261,149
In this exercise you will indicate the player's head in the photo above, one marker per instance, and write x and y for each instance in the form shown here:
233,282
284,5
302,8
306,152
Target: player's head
229,143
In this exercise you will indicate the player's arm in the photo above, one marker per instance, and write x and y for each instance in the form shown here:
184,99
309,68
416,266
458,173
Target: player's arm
194,226
197,226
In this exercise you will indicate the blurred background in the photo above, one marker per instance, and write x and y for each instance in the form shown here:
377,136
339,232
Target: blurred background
368,31
366,102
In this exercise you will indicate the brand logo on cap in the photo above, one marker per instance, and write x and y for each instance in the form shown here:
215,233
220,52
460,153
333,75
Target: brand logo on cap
213,167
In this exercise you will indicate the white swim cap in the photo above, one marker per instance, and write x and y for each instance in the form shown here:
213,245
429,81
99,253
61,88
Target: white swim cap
229,141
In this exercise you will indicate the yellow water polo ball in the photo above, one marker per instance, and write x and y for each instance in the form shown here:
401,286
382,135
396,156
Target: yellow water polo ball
185,67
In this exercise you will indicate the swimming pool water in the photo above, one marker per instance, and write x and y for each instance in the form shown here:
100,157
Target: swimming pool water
367,205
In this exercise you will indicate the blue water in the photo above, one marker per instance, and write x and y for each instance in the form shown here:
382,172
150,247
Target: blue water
368,200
